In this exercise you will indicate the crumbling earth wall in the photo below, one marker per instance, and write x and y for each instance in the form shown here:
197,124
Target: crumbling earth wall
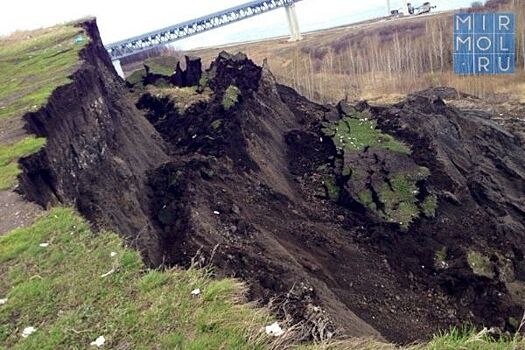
391,221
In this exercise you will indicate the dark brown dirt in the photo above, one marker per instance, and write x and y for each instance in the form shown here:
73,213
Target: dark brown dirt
242,188
98,150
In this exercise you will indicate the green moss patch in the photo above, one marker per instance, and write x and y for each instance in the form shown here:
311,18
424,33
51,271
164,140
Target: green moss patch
332,190
216,124
440,258
9,154
399,199
136,77
73,286
231,97
397,196
357,132
365,197
183,98
388,186
164,65
429,205
480,264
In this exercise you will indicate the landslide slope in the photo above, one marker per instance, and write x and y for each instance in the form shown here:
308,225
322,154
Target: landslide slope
399,220
390,221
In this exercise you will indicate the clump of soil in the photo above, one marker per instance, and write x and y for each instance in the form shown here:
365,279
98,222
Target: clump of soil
392,221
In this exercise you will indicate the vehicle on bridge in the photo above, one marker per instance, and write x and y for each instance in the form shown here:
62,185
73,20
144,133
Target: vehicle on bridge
426,7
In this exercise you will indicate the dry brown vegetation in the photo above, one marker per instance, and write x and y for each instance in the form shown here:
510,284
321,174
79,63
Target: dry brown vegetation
382,60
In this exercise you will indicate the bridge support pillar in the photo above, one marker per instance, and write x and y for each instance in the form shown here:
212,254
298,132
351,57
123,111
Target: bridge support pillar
293,23
118,68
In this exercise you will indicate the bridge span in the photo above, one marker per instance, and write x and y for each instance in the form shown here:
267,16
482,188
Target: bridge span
147,41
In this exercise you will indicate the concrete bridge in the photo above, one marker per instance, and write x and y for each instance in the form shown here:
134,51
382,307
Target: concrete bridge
147,41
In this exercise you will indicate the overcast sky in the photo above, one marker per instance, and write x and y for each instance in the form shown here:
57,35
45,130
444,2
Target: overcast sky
119,19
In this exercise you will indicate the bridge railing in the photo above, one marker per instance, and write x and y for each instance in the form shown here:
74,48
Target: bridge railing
186,29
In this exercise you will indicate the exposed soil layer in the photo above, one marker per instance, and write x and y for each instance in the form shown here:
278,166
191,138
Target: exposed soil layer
98,150
250,182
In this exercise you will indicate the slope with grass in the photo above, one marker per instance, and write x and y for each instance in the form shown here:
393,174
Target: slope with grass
73,286
32,65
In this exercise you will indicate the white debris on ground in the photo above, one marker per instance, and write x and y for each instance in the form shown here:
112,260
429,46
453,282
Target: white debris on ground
113,254
108,273
44,245
28,331
3,301
196,292
216,212
99,342
274,330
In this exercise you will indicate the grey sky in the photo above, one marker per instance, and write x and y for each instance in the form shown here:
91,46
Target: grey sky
121,19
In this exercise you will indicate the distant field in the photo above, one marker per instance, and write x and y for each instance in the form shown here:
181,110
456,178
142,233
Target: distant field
379,61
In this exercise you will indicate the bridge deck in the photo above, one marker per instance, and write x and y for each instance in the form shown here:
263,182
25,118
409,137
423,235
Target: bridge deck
186,29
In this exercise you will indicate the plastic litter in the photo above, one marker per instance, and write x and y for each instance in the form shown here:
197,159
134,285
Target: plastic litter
108,273
3,301
79,39
274,330
44,245
99,342
28,331
196,292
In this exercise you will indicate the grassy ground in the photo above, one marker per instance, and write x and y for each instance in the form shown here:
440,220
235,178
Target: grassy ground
33,64
84,285
9,154
455,339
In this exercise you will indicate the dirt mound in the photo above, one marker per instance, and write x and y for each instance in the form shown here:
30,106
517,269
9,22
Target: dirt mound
391,221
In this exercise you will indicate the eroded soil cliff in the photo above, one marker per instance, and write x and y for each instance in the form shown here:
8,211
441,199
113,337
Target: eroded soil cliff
391,221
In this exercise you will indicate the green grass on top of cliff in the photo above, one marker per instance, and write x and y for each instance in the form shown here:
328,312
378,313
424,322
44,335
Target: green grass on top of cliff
73,286
164,65
9,154
33,64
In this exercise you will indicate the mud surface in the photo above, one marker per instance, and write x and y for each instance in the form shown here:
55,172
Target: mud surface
395,241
